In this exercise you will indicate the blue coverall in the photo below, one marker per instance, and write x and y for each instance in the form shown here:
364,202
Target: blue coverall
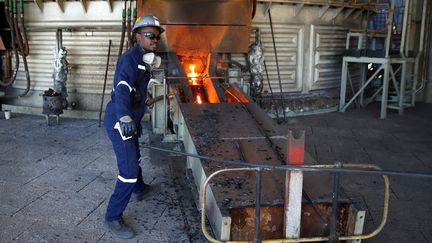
128,98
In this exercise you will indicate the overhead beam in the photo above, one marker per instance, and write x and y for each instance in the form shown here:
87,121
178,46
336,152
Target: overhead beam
323,10
110,5
348,12
298,8
358,13
39,3
336,12
84,5
60,3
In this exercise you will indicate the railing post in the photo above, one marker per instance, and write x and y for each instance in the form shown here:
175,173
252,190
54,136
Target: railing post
294,184
257,237
333,238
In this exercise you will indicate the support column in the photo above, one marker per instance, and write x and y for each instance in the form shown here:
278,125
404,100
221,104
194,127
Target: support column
384,98
343,85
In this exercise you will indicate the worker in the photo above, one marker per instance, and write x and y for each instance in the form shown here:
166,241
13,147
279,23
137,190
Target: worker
123,116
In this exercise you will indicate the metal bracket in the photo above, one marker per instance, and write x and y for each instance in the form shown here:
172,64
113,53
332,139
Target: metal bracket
267,7
323,10
60,3
39,3
84,5
298,8
336,13
348,12
110,5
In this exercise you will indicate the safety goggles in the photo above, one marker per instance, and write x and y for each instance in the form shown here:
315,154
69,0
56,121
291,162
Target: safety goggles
150,35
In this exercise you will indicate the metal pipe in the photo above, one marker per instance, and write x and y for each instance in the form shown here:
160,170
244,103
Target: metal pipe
404,25
104,84
305,168
271,92
409,20
134,13
129,28
200,77
277,61
257,237
165,107
421,45
389,28
333,220
428,46
123,29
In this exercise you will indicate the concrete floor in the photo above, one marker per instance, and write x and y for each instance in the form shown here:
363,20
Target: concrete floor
55,181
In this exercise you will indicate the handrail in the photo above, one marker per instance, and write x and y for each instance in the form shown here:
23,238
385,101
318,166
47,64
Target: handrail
304,239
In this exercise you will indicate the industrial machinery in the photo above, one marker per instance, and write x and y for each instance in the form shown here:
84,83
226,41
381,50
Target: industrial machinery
213,115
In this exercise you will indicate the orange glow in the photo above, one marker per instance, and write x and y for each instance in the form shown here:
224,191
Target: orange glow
192,75
199,101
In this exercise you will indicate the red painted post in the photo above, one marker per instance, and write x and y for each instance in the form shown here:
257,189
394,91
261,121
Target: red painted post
294,184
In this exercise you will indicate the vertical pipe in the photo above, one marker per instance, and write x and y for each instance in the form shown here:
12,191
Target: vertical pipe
422,28
389,28
271,91
409,20
129,28
402,87
333,238
123,29
277,63
165,106
104,84
419,54
404,26
384,98
343,85
257,237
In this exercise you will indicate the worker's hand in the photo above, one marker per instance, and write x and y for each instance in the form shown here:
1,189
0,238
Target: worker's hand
127,126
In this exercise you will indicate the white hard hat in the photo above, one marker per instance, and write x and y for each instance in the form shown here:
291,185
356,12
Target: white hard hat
147,20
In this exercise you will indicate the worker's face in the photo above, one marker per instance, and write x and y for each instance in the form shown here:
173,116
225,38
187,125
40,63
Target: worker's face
147,38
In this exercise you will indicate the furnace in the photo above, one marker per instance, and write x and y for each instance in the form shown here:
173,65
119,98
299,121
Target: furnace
213,115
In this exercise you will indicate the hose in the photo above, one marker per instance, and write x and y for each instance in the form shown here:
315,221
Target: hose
16,34
254,8
10,18
22,30
123,30
21,48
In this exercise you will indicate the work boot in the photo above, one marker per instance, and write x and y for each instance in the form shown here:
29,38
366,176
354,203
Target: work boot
143,194
119,228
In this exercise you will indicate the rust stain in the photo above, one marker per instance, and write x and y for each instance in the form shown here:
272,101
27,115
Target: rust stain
314,222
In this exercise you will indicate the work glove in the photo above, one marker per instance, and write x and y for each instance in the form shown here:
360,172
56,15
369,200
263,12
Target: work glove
127,126
152,60
150,85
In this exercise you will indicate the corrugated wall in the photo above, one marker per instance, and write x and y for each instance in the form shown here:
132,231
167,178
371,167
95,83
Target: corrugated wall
86,36
309,46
